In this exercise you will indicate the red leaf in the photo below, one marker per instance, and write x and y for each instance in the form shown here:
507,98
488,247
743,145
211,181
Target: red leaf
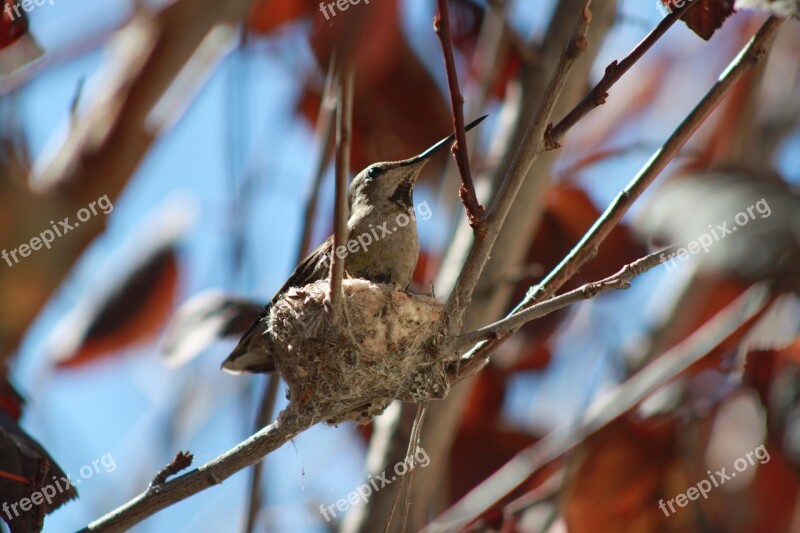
478,452
11,401
25,468
12,27
706,18
135,312
398,108
618,475
266,15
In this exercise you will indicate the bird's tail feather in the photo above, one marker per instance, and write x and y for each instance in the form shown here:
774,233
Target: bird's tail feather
252,354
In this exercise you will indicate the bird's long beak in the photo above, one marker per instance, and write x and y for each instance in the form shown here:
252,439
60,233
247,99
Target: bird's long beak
447,141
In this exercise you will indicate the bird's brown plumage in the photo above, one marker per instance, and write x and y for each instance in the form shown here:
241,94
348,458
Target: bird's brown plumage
379,197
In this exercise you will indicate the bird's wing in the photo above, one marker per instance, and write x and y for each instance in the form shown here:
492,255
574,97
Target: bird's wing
313,268
251,354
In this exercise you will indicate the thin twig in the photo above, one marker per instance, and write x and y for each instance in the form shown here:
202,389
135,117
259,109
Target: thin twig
531,147
750,55
619,281
344,118
76,101
413,441
289,425
441,25
526,52
542,85
491,49
599,93
325,125
413,446
547,492
212,473
725,328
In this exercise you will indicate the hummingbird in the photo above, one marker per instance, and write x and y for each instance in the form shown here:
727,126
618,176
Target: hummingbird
378,197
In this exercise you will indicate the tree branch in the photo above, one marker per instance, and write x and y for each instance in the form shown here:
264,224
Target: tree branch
725,328
325,129
344,118
212,473
532,146
599,93
618,281
290,423
750,55
441,25
519,106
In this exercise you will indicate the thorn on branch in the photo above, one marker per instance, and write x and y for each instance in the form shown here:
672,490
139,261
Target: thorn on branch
577,46
590,290
181,461
549,142
475,211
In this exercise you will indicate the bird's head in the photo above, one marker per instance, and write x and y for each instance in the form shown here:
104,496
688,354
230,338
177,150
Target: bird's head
389,185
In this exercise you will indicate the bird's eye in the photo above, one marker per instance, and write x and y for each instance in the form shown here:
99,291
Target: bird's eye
373,173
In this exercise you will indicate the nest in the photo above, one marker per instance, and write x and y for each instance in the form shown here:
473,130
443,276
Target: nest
382,346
